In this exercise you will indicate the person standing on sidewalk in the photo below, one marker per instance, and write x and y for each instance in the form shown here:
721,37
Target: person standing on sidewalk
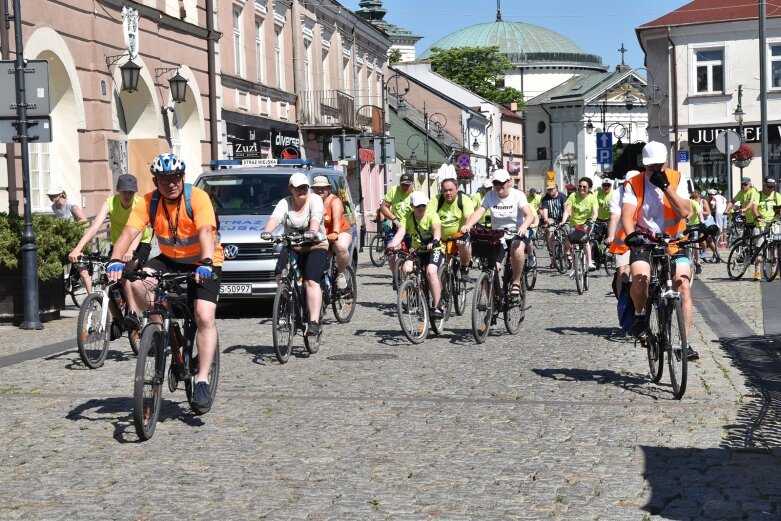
719,206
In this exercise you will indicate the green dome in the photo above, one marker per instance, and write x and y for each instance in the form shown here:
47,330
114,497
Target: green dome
519,42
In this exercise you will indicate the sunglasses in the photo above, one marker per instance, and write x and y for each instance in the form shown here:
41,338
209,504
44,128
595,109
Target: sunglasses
302,188
499,183
583,187
744,184
170,179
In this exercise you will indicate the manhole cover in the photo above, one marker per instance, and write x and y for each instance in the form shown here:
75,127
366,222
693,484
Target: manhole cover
362,357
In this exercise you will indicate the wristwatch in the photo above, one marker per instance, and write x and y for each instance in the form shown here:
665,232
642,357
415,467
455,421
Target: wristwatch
207,262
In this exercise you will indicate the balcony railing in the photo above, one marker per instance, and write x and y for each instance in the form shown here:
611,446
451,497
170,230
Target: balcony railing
327,108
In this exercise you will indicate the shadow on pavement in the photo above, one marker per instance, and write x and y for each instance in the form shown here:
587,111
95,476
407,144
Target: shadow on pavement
386,337
259,353
632,382
75,363
612,334
740,479
383,307
119,410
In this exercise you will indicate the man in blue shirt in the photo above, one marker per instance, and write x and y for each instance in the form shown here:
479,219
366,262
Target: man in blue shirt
551,210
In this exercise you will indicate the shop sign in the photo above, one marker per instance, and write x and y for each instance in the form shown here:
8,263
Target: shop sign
751,134
285,144
248,142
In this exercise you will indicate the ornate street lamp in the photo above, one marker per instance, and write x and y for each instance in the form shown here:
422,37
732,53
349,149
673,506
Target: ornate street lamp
130,75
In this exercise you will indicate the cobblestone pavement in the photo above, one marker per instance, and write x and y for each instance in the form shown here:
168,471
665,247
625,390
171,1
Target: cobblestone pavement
559,422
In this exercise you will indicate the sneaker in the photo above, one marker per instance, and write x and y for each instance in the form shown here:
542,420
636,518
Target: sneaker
437,313
638,327
132,322
341,282
202,397
532,262
691,354
313,329
592,266
757,275
698,268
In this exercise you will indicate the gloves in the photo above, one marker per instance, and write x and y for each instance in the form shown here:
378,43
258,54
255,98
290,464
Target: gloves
204,272
115,266
435,244
659,179
266,236
635,240
309,235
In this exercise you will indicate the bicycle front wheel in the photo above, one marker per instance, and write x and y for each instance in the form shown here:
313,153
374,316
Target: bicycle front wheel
459,291
677,347
343,302
412,307
655,341
283,325
585,270
377,250
482,306
769,261
530,277
92,332
558,256
148,383
514,311
578,272
610,263
738,259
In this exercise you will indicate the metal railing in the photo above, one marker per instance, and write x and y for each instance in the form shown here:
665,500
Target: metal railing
327,108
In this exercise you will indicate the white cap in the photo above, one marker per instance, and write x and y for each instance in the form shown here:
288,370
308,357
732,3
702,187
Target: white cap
629,175
418,198
487,183
501,175
55,190
654,153
298,179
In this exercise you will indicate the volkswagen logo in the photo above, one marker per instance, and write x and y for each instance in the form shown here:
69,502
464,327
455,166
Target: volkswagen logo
231,251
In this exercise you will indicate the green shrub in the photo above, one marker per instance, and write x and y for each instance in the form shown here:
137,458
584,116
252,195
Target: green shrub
55,238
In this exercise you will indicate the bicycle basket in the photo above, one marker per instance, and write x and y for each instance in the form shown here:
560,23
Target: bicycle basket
486,242
775,231
579,234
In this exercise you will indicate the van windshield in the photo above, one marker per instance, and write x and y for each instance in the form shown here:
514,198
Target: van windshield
245,194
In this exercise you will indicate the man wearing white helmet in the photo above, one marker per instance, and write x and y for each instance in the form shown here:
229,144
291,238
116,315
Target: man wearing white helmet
657,202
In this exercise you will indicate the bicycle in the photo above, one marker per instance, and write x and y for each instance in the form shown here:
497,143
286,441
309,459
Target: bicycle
342,302
378,242
454,280
101,319
602,257
578,239
74,286
559,253
490,298
174,334
736,228
744,253
772,258
414,301
291,313
665,329
530,267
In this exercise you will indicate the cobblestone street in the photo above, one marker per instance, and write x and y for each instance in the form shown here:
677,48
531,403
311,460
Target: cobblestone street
559,422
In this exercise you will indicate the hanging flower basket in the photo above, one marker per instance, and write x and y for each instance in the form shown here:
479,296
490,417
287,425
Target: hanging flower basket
742,163
742,156
465,175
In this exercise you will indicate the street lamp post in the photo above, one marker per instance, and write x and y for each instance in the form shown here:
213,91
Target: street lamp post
439,121
739,114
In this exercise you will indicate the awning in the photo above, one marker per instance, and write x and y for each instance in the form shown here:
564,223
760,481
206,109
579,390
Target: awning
402,131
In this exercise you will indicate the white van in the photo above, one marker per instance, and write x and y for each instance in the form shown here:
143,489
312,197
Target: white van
244,198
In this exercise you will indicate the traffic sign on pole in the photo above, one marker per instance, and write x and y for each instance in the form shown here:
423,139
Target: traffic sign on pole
604,148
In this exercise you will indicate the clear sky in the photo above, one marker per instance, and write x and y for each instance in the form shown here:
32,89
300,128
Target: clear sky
597,27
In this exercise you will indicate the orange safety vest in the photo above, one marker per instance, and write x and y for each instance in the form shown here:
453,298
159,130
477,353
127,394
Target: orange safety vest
344,226
673,224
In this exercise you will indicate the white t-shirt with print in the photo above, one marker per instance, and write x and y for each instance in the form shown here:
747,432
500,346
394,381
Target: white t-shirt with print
652,212
507,212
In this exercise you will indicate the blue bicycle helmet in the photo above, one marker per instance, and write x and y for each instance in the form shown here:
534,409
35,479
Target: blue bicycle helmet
167,164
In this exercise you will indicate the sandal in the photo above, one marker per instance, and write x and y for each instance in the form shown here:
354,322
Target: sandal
515,290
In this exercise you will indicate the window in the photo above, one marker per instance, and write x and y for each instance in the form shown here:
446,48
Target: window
308,65
326,71
542,153
259,49
237,21
710,71
278,57
775,66
40,176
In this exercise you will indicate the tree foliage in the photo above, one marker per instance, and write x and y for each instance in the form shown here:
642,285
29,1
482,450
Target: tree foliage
394,57
477,69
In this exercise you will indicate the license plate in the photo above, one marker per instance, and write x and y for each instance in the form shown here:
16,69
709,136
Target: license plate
235,289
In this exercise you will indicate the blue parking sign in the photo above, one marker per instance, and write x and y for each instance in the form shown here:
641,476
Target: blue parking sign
605,156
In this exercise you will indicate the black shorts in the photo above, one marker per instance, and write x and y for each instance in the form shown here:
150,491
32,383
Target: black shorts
638,254
208,290
435,257
141,254
311,264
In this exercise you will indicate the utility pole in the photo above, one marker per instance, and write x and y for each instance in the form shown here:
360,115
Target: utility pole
763,85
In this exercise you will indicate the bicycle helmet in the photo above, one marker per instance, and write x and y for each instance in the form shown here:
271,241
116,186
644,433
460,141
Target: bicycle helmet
167,164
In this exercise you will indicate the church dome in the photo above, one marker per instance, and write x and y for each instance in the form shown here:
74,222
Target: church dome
521,43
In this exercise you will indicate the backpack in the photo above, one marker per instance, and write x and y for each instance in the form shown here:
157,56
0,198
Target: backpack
441,201
188,192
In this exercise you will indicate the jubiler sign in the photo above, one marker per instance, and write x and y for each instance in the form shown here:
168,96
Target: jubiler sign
751,134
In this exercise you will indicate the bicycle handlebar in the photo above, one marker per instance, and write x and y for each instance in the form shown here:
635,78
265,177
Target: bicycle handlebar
636,238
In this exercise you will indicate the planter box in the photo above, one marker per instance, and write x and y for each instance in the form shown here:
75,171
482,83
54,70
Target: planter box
51,297
742,163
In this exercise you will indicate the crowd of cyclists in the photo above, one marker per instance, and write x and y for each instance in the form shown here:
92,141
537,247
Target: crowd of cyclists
654,201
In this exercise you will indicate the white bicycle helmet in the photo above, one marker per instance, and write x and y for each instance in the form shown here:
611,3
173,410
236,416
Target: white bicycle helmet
167,164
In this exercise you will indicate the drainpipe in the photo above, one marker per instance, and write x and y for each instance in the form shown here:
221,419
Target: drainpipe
214,118
674,103
10,148
550,137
